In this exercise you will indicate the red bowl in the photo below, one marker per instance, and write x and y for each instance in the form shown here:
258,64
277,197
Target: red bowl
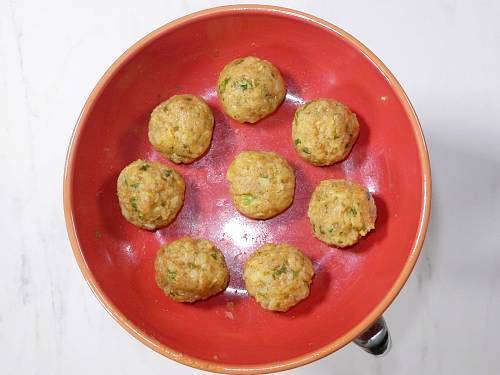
352,287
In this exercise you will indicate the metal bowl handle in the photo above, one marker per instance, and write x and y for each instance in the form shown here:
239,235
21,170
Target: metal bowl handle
376,339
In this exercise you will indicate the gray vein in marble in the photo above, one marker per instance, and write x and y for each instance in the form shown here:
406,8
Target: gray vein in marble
425,274
19,37
25,279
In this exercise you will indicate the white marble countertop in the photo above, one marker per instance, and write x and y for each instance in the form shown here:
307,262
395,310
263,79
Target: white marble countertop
445,53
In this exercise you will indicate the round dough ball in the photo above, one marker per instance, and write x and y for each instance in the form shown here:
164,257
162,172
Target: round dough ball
262,184
324,131
189,270
181,128
150,194
278,276
341,212
250,89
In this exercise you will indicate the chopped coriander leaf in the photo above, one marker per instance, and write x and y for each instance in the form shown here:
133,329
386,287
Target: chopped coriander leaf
214,255
306,150
135,185
133,202
171,274
144,167
166,174
330,229
245,85
353,210
279,270
262,175
298,141
247,198
223,84
237,62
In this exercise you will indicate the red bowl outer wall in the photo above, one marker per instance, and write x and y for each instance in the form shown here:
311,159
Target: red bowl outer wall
352,287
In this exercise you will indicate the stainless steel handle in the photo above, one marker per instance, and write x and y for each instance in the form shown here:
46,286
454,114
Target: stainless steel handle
376,339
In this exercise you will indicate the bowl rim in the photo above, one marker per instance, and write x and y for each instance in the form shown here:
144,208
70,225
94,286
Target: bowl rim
278,365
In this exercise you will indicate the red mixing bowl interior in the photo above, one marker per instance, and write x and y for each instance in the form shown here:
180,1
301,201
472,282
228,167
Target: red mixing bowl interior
231,328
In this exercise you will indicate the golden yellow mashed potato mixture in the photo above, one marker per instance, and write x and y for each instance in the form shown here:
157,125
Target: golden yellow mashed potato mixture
189,270
262,184
341,212
150,194
249,89
324,131
181,128
278,276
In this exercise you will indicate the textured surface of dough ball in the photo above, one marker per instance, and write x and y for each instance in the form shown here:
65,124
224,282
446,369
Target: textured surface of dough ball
324,131
278,276
249,89
341,212
262,184
189,270
150,194
181,128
